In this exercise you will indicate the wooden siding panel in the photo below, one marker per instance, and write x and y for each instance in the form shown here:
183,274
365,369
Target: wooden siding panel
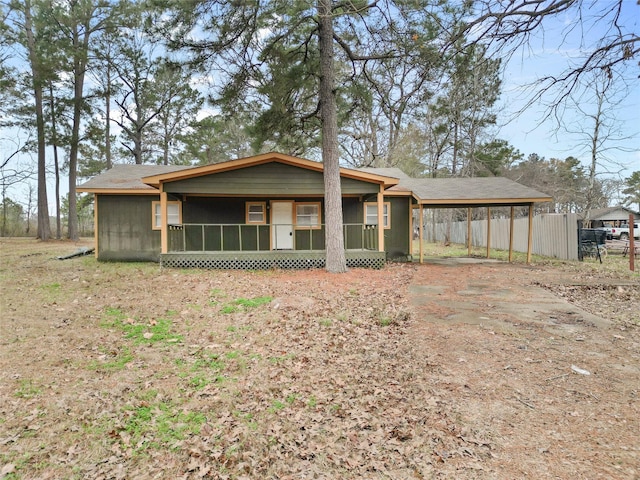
125,228
267,179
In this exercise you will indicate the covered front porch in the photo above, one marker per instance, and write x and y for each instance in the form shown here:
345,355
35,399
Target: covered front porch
265,246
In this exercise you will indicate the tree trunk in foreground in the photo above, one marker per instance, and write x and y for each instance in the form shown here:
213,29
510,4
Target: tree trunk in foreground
334,241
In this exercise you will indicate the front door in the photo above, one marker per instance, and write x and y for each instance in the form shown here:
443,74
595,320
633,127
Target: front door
281,225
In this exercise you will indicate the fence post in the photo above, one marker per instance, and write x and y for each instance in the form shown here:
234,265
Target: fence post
632,245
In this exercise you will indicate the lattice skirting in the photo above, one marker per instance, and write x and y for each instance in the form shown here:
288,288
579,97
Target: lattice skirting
267,260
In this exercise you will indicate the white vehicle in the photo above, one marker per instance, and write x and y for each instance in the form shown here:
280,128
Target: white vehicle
622,232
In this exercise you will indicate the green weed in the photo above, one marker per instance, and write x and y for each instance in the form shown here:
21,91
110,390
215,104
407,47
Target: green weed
198,382
242,304
159,425
209,362
52,291
277,405
283,358
27,389
118,363
154,331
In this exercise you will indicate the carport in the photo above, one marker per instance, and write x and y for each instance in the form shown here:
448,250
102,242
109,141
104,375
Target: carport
469,193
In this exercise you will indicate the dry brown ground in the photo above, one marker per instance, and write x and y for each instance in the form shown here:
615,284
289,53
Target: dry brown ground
129,371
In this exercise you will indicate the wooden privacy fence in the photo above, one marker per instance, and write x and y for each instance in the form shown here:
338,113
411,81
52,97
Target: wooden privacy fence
554,234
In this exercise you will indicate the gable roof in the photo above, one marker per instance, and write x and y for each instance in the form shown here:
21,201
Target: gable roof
474,191
371,177
611,213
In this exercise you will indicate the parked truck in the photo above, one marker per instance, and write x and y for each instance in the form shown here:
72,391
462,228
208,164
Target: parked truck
622,232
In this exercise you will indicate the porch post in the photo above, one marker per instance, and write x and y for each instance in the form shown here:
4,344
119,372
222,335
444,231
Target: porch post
381,219
420,220
488,231
530,239
164,237
511,235
469,231
95,224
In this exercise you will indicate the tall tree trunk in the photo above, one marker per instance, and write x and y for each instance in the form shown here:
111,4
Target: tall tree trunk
56,163
44,227
80,47
334,241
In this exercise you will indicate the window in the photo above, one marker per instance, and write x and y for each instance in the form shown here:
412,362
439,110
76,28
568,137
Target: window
371,214
255,212
308,215
174,214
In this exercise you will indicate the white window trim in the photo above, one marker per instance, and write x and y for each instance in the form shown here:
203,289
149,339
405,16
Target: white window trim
317,226
386,216
157,215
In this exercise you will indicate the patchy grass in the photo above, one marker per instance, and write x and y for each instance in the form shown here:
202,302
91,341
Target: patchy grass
157,426
118,361
27,388
243,304
132,371
151,331
613,263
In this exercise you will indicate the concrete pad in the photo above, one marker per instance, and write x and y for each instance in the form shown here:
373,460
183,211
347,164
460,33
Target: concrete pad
480,302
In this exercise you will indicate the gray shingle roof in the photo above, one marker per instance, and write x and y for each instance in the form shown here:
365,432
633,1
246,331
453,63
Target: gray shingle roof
471,190
440,191
128,177
392,172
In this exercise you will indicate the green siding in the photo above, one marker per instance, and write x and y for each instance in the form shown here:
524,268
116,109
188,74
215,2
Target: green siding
266,179
397,239
125,228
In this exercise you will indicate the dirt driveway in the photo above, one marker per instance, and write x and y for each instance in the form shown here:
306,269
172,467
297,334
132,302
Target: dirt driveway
540,388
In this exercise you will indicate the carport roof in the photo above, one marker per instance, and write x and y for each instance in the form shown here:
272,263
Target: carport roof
466,192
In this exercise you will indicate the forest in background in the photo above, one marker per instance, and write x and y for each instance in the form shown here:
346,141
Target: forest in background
91,83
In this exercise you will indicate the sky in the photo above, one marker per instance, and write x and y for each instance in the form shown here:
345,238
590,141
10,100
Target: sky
550,52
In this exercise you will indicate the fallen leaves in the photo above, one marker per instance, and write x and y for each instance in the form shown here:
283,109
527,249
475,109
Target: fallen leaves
332,378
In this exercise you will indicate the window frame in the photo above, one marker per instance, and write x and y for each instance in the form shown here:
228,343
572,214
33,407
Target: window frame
316,226
386,217
157,215
248,206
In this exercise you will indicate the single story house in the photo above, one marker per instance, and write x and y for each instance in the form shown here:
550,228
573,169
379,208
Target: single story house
268,210
610,217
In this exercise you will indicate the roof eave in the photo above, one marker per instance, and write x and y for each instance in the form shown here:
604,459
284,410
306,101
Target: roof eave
119,191
484,201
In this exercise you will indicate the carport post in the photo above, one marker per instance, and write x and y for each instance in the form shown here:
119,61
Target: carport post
530,239
511,235
488,230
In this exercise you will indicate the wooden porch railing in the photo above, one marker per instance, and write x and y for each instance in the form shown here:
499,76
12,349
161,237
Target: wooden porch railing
218,237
